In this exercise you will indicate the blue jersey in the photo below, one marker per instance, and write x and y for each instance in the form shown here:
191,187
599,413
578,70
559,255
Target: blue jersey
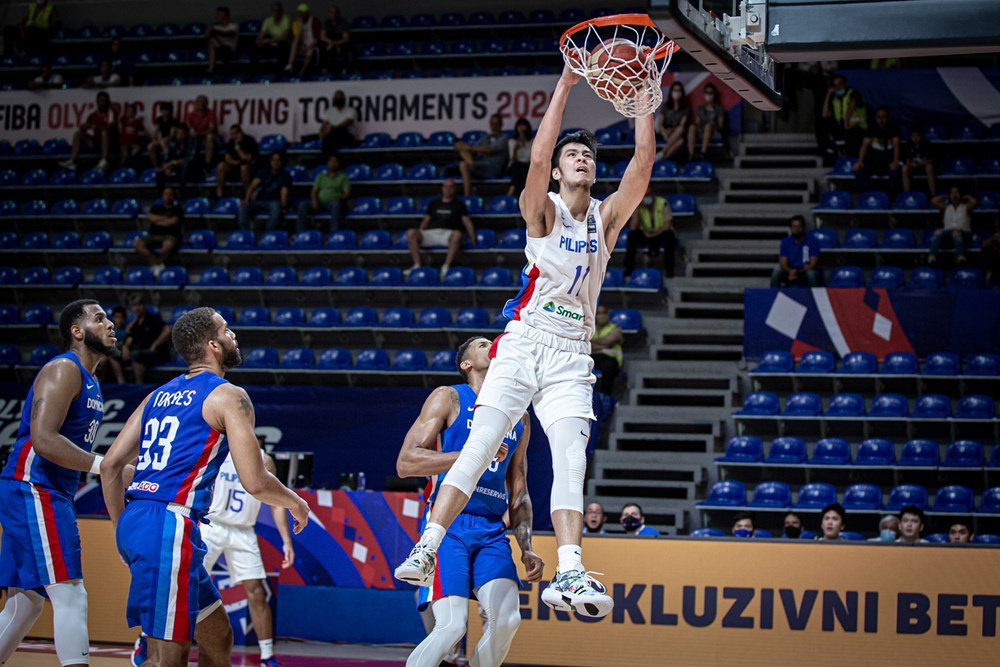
80,427
181,453
489,499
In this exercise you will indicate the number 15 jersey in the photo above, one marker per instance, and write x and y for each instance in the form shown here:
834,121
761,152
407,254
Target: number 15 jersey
180,453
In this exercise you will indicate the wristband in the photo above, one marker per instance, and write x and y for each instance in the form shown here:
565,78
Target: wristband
95,469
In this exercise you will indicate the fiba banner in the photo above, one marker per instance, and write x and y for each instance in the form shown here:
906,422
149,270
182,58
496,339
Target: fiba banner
755,602
297,109
871,320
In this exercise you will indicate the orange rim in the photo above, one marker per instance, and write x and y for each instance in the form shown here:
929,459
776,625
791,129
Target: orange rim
668,48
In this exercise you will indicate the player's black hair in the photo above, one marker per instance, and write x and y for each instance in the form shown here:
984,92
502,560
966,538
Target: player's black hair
119,310
460,355
635,505
799,218
223,8
913,509
71,314
835,507
745,515
191,333
585,137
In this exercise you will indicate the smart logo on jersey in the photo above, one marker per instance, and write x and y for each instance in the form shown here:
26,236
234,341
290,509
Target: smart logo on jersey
561,311
577,245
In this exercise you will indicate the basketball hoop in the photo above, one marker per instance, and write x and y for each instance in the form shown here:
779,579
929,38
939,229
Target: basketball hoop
623,58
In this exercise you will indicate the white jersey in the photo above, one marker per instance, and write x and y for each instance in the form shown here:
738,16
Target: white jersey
562,280
231,504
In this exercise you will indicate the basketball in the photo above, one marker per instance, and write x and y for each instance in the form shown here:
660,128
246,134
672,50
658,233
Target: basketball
617,66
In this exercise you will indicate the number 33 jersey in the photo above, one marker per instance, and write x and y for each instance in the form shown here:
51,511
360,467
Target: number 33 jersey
561,282
83,419
179,453
231,504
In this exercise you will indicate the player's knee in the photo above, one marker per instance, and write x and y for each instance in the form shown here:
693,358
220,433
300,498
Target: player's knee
508,622
255,592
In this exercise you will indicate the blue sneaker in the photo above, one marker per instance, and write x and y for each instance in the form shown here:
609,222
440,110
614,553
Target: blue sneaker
139,652
270,662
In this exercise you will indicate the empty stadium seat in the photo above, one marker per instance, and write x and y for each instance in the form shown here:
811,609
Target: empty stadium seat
298,358
366,206
898,239
990,502
708,532
342,239
614,277
872,201
899,363
846,405
324,316
985,538
10,354
350,276
35,240
400,206
387,276
760,403
496,276
361,316
743,449
261,357
817,361
918,454
886,277
965,278
942,363
246,276
859,363
409,360
932,406
937,538
775,361
40,315
140,275
816,495
316,276
827,238
862,497
442,361
372,360
910,201
852,536
787,450
173,276
434,318
422,276
107,275
398,317
202,239
975,406
273,240
891,406
334,359
281,276
226,312
925,277
472,318
983,364
803,404
727,493
241,240
213,275
645,279
42,354
963,454
771,495
846,277
836,200
375,239
627,319
906,494
875,452
860,239
9,314
831,452
289,316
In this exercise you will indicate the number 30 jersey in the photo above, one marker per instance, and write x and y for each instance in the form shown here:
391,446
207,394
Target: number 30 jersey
180,453
83,419
231,504
561,282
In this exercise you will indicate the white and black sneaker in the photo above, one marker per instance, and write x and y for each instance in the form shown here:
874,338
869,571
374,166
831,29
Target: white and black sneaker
418,568
575,590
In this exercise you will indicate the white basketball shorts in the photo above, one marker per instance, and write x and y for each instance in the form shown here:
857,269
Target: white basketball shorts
549,371
239,544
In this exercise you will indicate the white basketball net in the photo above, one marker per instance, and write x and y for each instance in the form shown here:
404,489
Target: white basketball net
631,84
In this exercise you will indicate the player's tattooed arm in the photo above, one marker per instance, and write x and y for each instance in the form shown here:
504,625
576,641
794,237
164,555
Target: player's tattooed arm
519,504
418,457
246,407
36,408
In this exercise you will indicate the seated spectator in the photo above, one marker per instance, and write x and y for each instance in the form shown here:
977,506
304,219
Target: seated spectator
223,38
204,127
275,38
606,350
960,533
147,343
911,524
888,529
594,519
268,192
792,526
673,125
519,156
487,159
340,126
652,226
166,226
38,26
241,154
329,191
307,31
95,131
181,159
130,128
799,258
709,121
919,155
844,118
956,226
879,154
46,79
441,226
833,522
118,317
163,131
122,63
990,256
105,77
634,522
743,524
337,51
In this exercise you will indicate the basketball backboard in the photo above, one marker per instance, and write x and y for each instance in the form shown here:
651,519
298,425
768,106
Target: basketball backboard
746,42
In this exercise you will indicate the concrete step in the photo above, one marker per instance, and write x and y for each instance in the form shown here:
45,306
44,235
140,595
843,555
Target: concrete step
748,251
702,352
730,269
704,338
772,234
738,181
729,294
681,398
771,138
782,196
654,466
673,380
732,311
641,489
778,161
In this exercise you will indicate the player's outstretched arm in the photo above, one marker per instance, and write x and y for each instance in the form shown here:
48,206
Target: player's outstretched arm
617,209
534,201
229,407
115,468
418,457
519,504
280,517
56,387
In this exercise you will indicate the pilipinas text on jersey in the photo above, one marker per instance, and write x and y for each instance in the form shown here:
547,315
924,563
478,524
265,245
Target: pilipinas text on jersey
231,504
83,419
180,453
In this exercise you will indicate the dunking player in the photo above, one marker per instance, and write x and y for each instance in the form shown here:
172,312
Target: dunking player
475,556
185,428
543,357
40,549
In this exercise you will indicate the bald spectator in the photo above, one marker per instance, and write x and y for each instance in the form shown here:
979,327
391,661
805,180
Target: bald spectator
593,519
606,350
223,37
792,526
634,522
743,524
833,522
888,529
960,533
911,525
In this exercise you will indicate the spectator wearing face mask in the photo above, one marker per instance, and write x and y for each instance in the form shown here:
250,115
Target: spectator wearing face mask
844,118
634,522
743,524
888,529
793,526
797,265
674,120
594,519
833,521
340,126
710,121
652,226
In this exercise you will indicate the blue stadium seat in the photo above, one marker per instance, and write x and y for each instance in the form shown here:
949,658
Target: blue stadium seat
40,315
442,361
8,178
827,238
787,450
910,201
324,316
35,275
271,143
860,239
124,176
148,177
875,452
872,201
255,316
707,532
898,239
92,177
409,360
42,354
387,276
846,405
107,275
57,146
990,166
423,21
889,406
775,361
409,139
35,240
899,363
726,493
273,240
397,317
937,538
422,276
699,170
66,207
32,178
434,318
906,494
817,361
390,171
441,139
98,206
375,239
862,497
342,239
281,276
261,357
27,148
316,276
859,363
202,239
989,201
496,276
214,275
503,205
760,403
975,406
9,314
983,364
831,452
645,279
963,454
816,495
289,316
985,538
473,204
771,495
9,275
8,241
227,206
361,316
627,319
459,276
372,360
472,318
957,166
836,200
932,406
614,277
335,359
226,312
743,449
299,174
512,239
965,278
803,404
173,276
942,363
400,206
661,168
366,206
34,207
247,276
918,453
309,239
990,501
852,536
886,277
130,238
10,354
140,275
846,276
63,177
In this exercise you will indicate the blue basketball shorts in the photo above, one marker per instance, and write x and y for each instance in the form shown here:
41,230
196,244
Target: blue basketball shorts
165,554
